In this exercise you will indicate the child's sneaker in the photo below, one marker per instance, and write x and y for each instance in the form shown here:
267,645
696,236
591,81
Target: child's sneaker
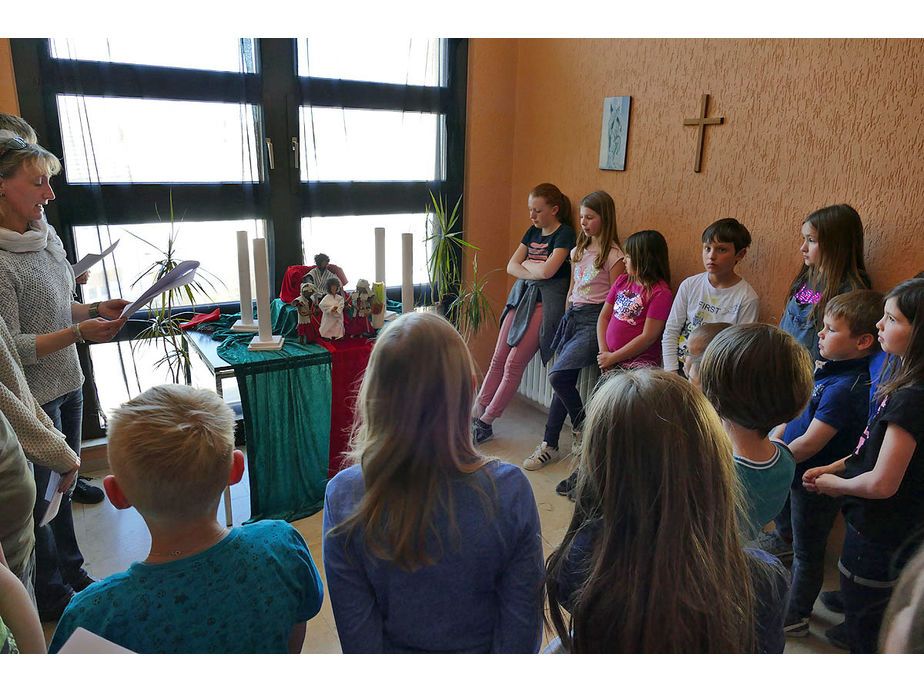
541,457
566,486
481,431
837,636
833,601
796,627
773,543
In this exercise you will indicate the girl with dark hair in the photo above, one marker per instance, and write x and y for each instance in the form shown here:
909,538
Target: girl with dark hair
883,481
534,307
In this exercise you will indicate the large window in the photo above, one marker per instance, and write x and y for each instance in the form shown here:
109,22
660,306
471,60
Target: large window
309,142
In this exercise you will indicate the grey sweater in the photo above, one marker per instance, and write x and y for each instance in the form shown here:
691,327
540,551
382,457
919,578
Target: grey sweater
35,298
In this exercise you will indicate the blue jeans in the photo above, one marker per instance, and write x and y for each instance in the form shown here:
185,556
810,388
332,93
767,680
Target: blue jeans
58,561
566,401
813,515
869,571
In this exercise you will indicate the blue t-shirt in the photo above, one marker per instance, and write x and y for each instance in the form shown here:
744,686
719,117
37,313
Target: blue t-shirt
766,485
482,592
840,399
242,595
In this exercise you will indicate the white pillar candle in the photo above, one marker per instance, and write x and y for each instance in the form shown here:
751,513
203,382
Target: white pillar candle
407,272
246,323
379,254
265,338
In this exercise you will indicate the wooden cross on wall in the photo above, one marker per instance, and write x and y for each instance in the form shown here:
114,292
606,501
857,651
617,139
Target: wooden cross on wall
701,122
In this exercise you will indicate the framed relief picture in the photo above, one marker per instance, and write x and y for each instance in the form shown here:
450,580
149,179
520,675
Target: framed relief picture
614,134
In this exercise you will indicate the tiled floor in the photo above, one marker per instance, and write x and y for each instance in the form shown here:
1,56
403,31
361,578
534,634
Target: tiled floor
112,539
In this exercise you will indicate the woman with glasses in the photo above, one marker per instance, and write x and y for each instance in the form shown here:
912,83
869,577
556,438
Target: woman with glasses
37,284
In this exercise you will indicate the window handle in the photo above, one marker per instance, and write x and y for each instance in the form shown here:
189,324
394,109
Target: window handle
269,152
295,152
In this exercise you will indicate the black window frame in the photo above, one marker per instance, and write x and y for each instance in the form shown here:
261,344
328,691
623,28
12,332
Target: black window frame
280,198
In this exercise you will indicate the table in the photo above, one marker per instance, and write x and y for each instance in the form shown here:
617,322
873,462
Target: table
297,405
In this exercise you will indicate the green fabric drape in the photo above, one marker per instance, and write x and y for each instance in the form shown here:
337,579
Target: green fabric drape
286,398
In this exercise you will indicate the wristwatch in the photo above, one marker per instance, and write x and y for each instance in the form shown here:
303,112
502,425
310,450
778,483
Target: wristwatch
94,310
78,337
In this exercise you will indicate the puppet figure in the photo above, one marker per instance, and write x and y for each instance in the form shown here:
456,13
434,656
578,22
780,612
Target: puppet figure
306,308
332,310
320,273
361,299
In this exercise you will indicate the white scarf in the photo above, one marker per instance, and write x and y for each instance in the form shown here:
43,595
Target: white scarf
38,236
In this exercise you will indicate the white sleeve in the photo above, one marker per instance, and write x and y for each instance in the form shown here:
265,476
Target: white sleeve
750,306
673,326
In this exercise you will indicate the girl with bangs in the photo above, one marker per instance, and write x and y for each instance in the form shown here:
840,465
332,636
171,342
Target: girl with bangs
429,547
652,560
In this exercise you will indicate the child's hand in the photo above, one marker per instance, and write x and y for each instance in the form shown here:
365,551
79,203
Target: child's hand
606,360
829,484
808,479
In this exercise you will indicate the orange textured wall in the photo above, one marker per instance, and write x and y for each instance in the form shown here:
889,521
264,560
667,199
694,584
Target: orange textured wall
807,123
9,103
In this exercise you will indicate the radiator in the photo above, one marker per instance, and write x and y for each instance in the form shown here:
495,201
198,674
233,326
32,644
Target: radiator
535,383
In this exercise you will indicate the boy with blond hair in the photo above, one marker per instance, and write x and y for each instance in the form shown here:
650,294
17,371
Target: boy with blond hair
699,339
757,376
827,430
202,588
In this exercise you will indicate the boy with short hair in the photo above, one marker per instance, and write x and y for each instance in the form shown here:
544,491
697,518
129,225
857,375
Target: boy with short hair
826,431
757,376
699,339
202,588
716,295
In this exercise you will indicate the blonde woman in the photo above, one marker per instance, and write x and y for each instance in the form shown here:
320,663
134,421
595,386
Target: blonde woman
652,560
428,547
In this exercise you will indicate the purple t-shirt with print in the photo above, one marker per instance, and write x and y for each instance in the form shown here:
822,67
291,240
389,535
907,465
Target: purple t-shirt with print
632,305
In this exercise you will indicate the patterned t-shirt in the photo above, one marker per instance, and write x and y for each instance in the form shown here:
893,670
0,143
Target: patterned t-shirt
632,305
243,595
591,284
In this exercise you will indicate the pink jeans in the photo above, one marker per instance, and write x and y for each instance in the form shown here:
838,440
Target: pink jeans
508,363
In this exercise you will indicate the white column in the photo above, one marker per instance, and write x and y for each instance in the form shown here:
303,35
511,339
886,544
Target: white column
246,323
265,340
407,273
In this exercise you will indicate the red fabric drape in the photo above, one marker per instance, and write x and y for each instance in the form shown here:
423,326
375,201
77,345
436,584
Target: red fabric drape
348,360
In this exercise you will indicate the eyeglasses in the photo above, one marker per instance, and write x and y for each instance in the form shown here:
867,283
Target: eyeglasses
13,144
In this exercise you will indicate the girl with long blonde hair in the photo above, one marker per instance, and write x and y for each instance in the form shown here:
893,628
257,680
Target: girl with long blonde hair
429,547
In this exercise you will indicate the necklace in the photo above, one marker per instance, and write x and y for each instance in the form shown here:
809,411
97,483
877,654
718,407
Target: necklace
176,553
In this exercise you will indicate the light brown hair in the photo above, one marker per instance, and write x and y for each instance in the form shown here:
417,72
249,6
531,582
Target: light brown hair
600,202
860,309
756,376
902,597
18,127
171,449
657,481
412,436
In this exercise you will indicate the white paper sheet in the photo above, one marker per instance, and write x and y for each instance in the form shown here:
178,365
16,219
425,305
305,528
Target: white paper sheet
91,259
83,641
53,497
179,276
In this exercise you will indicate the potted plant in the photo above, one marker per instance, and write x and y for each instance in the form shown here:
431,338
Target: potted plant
463,302
163,322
